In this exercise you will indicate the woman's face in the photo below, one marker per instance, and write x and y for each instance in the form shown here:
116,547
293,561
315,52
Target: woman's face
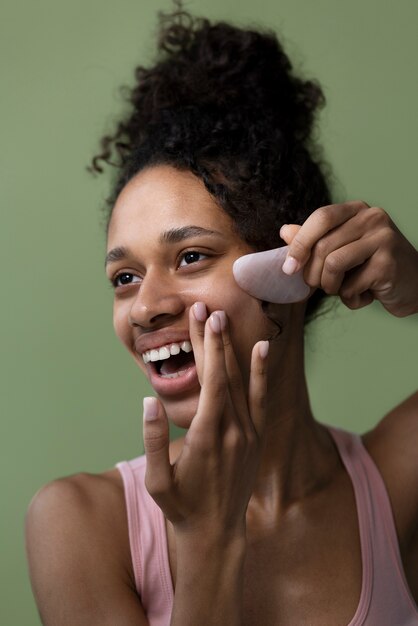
169,246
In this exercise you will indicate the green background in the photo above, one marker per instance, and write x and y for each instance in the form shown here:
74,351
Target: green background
70,396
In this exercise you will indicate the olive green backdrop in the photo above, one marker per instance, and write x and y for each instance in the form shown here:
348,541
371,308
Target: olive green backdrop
70,397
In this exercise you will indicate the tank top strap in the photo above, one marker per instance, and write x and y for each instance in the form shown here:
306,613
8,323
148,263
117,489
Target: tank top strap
148,543
385,596
348,446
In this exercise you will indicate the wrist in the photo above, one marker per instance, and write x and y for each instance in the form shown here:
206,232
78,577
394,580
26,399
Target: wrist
210,574
212,540
213,544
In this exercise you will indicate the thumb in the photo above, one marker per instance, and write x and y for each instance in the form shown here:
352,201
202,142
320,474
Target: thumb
288,231
156,442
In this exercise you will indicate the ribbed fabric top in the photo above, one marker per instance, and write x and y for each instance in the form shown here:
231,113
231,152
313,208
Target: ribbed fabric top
148,541
385,599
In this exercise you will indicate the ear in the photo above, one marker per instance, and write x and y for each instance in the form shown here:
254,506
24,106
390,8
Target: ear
283,316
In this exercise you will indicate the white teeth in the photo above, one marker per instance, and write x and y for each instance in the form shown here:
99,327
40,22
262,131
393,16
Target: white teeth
166,351
173,375
155,355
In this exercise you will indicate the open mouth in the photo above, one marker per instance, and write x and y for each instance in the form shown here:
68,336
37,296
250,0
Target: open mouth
172,360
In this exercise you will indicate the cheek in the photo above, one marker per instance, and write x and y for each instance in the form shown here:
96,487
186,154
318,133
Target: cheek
248,323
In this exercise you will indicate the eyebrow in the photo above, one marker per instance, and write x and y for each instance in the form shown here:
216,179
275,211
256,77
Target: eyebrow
116,254
174,235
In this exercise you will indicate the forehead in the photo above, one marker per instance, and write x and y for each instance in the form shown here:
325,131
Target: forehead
162,197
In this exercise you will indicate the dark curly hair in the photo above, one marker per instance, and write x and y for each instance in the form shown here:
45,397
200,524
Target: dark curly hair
223,102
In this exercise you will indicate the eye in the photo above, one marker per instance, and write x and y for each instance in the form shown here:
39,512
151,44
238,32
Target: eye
125,278
192,256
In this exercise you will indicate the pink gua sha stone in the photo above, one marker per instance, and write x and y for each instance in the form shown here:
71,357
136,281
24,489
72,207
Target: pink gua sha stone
260,274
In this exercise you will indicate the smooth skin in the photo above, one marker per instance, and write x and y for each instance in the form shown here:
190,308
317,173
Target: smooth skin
278,520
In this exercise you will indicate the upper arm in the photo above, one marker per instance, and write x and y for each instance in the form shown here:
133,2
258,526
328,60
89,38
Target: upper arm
393,444
78,554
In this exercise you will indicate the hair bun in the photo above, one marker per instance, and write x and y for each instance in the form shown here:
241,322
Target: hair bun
223,102
219,67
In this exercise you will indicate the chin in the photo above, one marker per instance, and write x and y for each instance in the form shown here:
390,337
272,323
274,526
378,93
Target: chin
180,413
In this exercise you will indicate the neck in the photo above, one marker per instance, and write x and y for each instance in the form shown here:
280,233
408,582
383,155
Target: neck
298,455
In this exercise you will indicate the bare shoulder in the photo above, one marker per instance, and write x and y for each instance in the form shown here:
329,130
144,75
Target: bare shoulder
393,445
78,552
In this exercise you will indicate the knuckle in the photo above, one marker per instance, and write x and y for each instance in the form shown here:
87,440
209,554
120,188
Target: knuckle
259,369
331,287
154,441
252,439
311,280
334,263
384,261
298,245
156,485
216,381
347,292
388,238
202,441
226,339
312,275
324,216
321,247
235,440
362,204
378,216
351,302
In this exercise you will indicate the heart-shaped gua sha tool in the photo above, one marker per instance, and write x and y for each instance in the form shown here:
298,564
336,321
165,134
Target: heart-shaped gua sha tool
260,274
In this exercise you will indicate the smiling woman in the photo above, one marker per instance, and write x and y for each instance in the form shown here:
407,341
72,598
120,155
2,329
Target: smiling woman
246,519
182,246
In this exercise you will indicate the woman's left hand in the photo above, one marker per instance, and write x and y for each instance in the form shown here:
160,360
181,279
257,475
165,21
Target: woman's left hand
356,252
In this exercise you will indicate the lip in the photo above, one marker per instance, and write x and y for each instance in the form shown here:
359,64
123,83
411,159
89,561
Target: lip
173,386
167,386
157,339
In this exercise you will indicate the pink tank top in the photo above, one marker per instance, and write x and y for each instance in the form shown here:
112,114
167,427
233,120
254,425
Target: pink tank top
385,599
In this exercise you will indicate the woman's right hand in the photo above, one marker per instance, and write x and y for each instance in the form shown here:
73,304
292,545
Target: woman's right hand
206,491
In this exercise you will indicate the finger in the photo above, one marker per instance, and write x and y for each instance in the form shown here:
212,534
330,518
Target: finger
156,444
236,388
214,383
197,318
360,281
358,301
337,238
341,261
316,226
258,386
288,231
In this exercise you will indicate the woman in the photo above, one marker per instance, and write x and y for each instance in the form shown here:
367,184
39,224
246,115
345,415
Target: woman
260,515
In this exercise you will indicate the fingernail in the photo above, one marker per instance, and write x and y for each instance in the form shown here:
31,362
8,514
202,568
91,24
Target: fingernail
222,319
150,408
290,266
217,321
281,229
199,311
263,349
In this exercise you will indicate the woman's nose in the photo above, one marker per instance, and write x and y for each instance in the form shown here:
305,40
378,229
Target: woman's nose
156,300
